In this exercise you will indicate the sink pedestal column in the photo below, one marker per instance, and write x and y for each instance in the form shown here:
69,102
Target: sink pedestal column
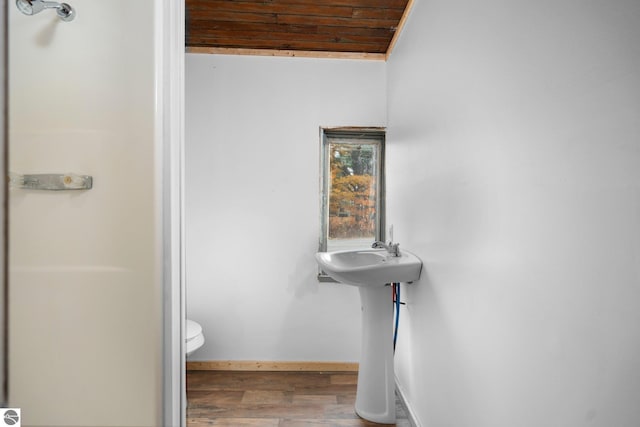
375,398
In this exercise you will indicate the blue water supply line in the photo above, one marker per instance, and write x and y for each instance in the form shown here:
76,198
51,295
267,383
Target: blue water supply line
396,302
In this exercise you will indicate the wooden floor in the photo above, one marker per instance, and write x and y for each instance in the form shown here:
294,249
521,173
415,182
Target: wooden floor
274,399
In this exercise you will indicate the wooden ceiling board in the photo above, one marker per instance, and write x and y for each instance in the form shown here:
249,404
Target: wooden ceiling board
343,26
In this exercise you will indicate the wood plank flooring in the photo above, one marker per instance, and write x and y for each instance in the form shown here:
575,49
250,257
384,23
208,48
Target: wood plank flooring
275,399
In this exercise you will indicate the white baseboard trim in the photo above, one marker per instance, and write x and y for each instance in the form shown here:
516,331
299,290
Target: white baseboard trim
413,420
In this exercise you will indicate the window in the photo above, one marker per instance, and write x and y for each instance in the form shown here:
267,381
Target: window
352,188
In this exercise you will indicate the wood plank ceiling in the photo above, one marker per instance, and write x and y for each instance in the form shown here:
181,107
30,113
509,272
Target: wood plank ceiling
358,28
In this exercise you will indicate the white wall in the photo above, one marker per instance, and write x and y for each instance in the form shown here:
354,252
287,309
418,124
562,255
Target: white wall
252,203
514,173
85,298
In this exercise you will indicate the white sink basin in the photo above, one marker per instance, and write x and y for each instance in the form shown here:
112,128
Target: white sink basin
370,267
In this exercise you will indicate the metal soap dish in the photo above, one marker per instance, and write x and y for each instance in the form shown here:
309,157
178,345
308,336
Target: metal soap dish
51,181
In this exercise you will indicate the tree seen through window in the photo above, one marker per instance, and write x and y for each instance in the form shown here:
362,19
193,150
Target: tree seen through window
352,196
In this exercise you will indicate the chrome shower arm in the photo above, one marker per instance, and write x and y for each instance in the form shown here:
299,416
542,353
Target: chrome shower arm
31,7
50,5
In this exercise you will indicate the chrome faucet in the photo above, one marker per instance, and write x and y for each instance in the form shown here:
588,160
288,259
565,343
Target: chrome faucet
392,248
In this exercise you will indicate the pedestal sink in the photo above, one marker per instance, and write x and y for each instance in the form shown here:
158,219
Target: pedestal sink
371,270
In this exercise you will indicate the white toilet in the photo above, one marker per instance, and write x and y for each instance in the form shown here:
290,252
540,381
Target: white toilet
193,339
